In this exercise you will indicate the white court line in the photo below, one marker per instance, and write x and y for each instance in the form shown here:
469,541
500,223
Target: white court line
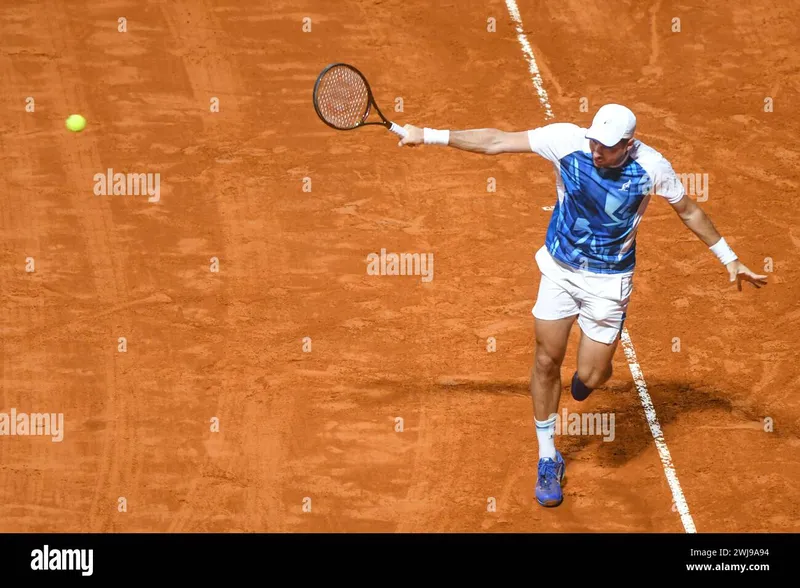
526,49
649,410
655,429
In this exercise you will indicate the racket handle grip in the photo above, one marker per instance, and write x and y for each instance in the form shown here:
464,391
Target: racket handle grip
397,129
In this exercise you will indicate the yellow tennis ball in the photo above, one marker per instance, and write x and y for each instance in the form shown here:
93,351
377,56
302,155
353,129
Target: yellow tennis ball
76,123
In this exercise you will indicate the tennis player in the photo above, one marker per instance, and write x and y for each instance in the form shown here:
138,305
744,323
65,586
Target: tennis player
604,181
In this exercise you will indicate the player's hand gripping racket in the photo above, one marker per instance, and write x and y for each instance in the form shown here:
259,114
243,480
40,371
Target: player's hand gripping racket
343,99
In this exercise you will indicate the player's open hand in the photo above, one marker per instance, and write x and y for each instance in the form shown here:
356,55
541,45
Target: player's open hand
737,272
414,137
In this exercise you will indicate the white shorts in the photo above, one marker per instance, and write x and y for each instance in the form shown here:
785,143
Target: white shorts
599,300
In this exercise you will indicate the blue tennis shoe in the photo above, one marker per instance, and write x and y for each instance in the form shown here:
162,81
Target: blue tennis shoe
548,484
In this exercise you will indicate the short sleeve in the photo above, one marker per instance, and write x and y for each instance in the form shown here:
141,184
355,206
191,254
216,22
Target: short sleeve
666,182
556,140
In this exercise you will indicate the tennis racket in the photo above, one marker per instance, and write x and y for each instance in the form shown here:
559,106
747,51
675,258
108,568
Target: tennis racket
344,100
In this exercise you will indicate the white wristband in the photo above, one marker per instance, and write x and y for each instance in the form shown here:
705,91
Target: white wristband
723,252
435,137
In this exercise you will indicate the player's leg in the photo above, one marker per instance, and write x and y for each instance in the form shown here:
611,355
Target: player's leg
555,313
595,365
552,336
601,323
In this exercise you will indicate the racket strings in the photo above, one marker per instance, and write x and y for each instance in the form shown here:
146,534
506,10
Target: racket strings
342,97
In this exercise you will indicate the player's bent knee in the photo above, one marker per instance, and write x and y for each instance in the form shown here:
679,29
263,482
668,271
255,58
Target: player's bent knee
594,377
586,374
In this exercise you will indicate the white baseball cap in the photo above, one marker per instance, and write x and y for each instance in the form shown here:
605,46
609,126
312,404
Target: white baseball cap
611,124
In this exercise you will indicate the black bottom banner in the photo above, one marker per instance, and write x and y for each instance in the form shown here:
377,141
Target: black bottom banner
378,557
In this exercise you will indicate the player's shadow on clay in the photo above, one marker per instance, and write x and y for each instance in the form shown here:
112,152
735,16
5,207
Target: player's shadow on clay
588,428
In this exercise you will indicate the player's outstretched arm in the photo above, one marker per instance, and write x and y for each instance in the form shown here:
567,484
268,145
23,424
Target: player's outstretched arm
486,141
699,223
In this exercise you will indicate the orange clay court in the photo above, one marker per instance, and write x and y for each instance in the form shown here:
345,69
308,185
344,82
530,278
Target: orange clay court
347,402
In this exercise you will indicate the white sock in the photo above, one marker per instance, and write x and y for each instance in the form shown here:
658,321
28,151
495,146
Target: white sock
545,433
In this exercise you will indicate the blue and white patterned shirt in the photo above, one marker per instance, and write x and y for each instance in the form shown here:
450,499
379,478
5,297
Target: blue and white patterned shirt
597,214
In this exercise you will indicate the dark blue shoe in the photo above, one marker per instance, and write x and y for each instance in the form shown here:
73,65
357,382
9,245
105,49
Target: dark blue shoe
548,485
580,391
